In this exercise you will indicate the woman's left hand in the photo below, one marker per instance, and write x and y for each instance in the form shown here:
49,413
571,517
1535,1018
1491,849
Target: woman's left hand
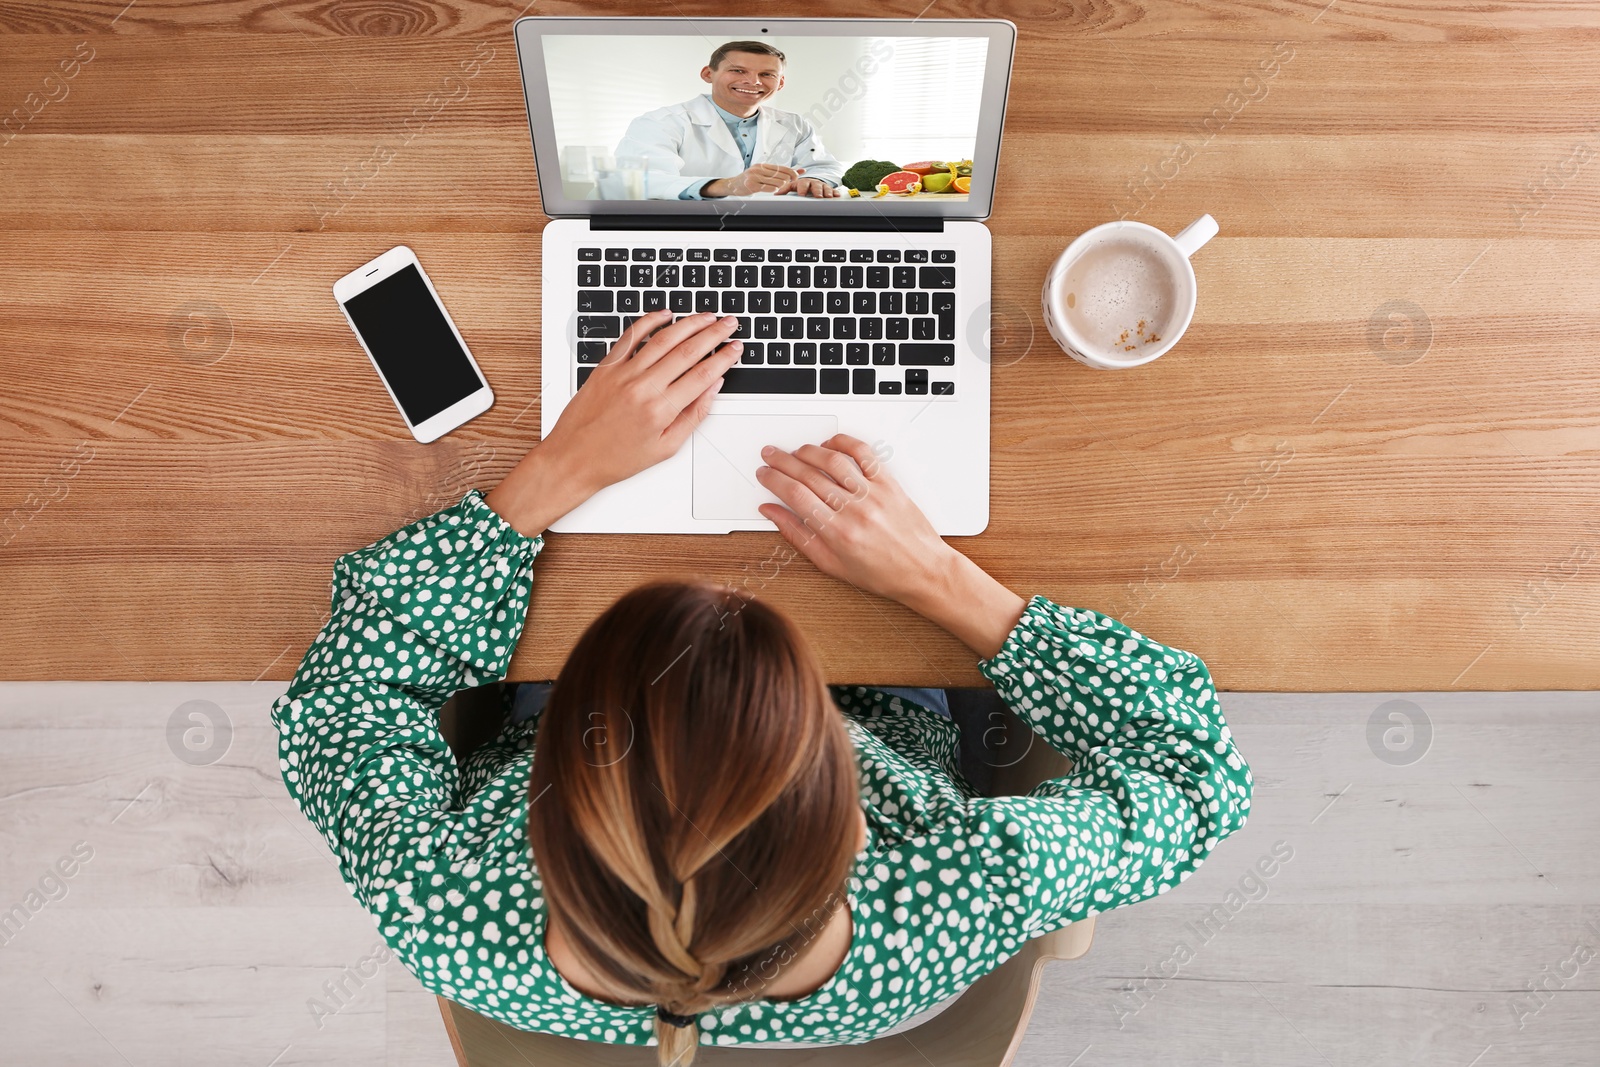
637,408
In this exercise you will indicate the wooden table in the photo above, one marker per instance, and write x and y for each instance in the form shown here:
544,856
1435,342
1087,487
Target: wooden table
1372,464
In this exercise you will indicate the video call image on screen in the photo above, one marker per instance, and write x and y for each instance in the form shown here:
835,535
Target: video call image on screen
650,118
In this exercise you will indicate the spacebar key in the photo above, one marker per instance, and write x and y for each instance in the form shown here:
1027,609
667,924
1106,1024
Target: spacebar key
769,380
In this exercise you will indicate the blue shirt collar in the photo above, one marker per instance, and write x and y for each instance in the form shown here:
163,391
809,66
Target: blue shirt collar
728,116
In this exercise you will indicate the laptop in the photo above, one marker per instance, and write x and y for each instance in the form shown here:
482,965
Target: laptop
863,314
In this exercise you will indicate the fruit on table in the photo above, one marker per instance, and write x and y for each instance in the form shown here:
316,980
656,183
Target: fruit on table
900,181
867,173
881,177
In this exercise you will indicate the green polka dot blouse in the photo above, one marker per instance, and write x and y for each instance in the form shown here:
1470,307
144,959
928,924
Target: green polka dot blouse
950,884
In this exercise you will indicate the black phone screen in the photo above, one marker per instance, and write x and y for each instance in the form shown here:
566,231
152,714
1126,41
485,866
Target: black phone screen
407,334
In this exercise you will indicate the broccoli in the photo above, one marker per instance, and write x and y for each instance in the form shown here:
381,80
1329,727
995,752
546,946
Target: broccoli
866,174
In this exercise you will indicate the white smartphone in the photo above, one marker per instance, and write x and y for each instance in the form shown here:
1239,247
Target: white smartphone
412,341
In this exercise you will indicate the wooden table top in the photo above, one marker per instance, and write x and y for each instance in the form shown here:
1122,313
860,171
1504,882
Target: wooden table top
1372,464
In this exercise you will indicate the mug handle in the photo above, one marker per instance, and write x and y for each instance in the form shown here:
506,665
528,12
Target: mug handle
1196,234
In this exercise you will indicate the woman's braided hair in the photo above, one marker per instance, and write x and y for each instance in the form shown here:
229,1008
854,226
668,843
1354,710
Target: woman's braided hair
693,802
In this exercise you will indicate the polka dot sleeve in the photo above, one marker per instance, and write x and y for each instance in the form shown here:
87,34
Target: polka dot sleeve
432,608
1157,781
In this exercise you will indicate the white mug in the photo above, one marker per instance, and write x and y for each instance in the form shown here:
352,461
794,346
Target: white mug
1172,253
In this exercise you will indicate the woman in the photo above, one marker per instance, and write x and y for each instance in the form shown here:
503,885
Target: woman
690,843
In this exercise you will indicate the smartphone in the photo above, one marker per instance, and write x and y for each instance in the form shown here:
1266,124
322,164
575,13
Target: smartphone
412,341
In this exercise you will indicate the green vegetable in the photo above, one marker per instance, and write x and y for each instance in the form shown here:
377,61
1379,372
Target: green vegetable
866,174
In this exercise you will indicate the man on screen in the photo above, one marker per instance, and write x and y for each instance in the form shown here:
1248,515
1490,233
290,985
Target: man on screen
725,143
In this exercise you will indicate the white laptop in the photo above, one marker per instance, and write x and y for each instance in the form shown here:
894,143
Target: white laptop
866,315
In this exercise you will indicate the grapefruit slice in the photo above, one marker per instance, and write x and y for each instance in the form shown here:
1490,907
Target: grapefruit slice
900,181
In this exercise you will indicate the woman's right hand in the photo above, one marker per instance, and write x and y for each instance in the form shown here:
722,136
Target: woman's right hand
852,519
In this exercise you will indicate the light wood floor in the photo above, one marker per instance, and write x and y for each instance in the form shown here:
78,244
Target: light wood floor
1419,901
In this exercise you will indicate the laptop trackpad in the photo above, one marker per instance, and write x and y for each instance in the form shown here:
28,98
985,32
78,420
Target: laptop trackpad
727,451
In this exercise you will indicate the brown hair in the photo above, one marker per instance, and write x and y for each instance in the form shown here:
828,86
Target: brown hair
694,801
760,48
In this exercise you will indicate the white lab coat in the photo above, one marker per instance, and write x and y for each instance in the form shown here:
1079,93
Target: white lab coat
686,145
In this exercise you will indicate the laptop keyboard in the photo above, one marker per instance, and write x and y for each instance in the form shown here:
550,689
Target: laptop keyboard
814,321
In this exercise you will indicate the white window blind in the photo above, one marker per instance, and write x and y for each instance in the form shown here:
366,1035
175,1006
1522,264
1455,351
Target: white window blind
925,103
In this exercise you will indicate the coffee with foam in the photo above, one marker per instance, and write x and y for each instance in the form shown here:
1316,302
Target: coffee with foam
1120,296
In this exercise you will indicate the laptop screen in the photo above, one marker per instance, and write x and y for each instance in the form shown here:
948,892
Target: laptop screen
694,117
